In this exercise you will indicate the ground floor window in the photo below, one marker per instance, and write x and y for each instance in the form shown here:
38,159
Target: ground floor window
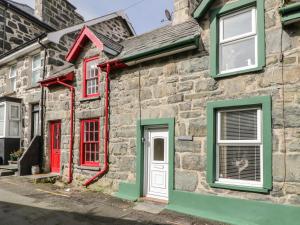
240,144
35,120
90,142
10,119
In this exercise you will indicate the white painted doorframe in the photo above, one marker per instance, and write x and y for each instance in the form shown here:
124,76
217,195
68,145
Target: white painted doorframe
156,162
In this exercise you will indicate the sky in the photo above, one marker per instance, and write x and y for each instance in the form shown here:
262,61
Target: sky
145,15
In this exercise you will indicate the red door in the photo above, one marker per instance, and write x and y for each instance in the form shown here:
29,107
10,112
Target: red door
55,146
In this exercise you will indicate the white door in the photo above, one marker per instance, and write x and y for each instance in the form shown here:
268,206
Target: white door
156,163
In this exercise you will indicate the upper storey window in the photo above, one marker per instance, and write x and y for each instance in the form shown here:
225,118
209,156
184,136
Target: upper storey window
13,77
91,78
36,69
237,32
238,41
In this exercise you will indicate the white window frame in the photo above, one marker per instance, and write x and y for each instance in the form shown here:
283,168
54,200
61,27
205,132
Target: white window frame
37,68
13,78
5,120
257,142
9,118
238,38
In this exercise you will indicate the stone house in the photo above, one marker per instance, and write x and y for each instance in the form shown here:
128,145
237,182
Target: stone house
202,113
23,66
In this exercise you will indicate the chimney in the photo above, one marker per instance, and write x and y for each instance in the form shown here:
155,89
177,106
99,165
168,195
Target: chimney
57,13
183,10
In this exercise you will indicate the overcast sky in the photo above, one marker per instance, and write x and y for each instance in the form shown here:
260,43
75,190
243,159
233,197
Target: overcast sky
145,16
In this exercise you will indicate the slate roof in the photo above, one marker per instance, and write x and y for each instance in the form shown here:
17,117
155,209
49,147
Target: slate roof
158,38
23,7
107,41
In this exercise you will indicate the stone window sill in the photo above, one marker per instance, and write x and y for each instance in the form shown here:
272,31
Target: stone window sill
90,99
92,168
33,87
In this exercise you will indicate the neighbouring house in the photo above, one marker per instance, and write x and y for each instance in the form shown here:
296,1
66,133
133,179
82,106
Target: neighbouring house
202,113
23,66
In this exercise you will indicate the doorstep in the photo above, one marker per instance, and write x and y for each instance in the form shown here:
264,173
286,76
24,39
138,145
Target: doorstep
42,178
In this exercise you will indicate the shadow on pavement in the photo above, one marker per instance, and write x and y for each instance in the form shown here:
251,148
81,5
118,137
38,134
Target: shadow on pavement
15,214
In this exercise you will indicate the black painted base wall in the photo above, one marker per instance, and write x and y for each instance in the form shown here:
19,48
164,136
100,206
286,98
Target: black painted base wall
7,146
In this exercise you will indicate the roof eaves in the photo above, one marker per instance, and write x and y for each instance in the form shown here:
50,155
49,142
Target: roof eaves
290,13
27,15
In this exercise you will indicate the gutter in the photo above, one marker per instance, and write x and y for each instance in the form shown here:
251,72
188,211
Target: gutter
24,49
290,13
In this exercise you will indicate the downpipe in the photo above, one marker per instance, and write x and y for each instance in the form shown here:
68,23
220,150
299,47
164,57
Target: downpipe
106,164
71,88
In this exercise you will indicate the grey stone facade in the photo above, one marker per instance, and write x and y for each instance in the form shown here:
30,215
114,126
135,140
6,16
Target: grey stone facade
180,86
57,13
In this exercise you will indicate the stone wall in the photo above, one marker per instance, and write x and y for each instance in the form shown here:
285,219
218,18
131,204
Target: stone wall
16,30
57,13
180,86
183,10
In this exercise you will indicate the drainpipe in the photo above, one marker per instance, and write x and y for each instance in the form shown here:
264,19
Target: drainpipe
71,88
106,165
42,99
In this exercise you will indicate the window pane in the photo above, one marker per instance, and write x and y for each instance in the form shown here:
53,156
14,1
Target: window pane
36,76
237,54
36,123
36,62
239,125
2,108
14,128
13,83
237,25
239,162
13,71
14,110
1,128
159,149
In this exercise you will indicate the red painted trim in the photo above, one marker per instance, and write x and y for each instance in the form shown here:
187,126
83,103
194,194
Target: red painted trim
69,77
106,134
84,81
84,35
82,150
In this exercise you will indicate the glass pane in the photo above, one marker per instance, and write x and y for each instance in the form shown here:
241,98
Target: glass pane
36,62
35,123
13,71
237,25
239,125
237,54
92,70
14,110
13,84
1,128
36,76
159,149
239,162
2,108
14,128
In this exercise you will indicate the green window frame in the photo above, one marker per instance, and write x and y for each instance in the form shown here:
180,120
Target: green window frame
264,102
228,9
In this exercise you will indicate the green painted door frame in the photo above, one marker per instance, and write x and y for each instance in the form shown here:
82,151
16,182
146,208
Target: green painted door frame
132,191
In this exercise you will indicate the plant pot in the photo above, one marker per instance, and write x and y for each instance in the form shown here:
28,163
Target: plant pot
11,162
35,169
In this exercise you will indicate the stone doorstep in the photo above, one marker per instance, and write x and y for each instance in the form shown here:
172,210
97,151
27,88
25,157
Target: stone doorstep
150,206
13,168
42,178
4,172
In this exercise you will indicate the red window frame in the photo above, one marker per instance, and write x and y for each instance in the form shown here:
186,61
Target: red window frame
85,79
91,142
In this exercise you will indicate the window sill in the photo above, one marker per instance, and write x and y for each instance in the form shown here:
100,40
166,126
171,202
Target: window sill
91,168
87,99
236,73
10,93
240,188
33,87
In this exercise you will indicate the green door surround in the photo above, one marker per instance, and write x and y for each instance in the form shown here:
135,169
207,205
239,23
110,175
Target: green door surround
225,209
134,191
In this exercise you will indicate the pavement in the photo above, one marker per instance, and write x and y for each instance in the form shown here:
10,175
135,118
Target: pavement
26,203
